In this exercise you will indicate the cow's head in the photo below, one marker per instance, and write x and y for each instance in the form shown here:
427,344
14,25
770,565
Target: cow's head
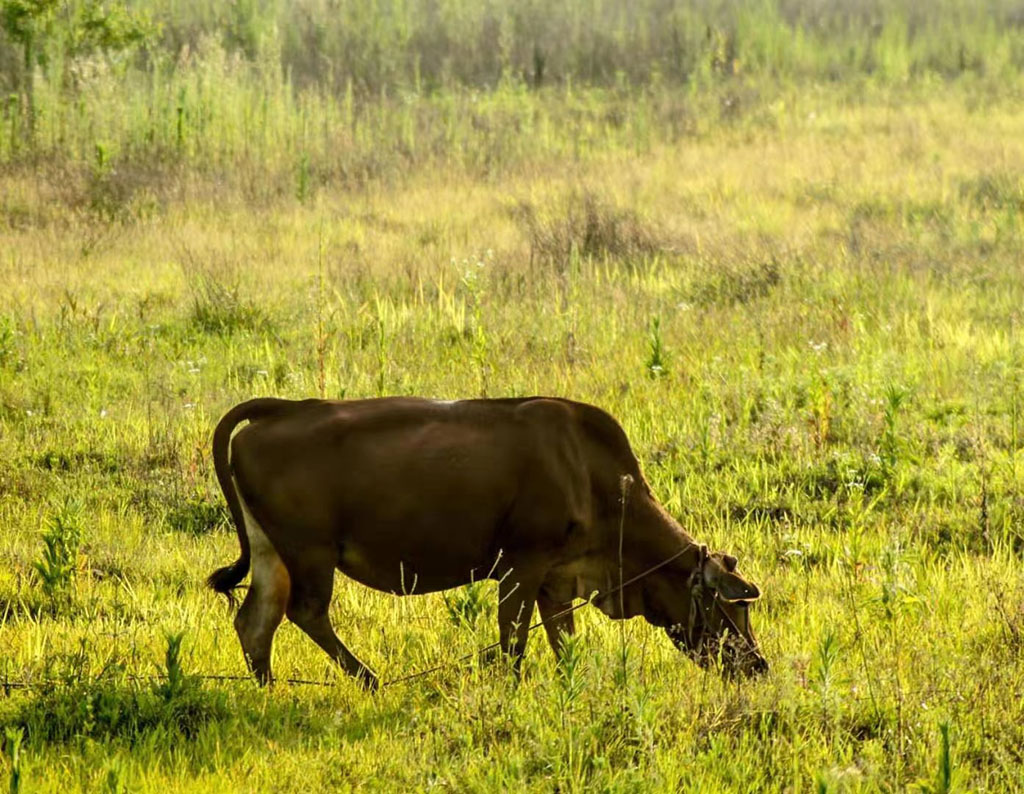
717,617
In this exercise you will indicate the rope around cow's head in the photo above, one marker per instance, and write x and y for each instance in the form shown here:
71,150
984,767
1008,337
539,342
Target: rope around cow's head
697,639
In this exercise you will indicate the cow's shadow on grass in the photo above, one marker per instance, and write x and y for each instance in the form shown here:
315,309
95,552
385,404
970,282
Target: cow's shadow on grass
61,712
152,711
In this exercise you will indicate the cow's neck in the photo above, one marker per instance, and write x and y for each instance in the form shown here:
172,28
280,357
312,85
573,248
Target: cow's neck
651,539
656,536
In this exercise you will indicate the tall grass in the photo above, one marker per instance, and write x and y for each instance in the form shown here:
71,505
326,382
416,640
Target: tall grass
284,98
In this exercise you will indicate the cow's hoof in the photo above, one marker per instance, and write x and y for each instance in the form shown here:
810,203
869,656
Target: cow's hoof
368,680
491,655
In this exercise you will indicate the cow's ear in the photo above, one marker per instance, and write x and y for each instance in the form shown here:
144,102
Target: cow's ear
730,586
733,587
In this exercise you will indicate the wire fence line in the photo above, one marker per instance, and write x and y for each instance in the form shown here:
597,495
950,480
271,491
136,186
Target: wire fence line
8,685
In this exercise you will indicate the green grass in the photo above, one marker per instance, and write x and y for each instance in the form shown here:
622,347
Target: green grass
799,291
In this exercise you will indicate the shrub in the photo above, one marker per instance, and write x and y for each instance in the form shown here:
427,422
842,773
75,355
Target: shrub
218,306
588,226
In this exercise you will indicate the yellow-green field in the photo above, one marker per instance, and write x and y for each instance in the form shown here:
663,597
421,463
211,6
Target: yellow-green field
801,298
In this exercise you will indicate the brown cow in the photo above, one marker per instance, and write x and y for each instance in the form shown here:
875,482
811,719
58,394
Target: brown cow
411,495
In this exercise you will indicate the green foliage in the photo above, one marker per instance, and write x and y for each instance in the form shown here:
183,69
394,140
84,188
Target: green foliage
468,604
109,27
422,47
78,28
571,671
24,20
890,445
198,515
59,563
111,712
176,682
115,707
13,739
943,783
823,673
114,783
733,282
656,361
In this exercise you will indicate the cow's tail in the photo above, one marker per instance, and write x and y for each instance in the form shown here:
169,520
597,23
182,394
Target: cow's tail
225,580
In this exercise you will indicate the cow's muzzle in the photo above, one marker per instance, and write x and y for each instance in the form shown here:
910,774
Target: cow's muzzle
736,655
752,665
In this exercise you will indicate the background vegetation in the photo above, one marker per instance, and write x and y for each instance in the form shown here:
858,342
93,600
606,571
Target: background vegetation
781,241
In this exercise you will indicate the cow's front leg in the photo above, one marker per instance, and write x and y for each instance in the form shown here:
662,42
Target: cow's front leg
517,593
556,624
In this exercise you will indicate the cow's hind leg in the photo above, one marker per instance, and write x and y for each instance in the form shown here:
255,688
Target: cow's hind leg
264,605
558,626
308,609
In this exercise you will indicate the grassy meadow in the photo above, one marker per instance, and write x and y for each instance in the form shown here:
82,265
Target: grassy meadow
781,241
